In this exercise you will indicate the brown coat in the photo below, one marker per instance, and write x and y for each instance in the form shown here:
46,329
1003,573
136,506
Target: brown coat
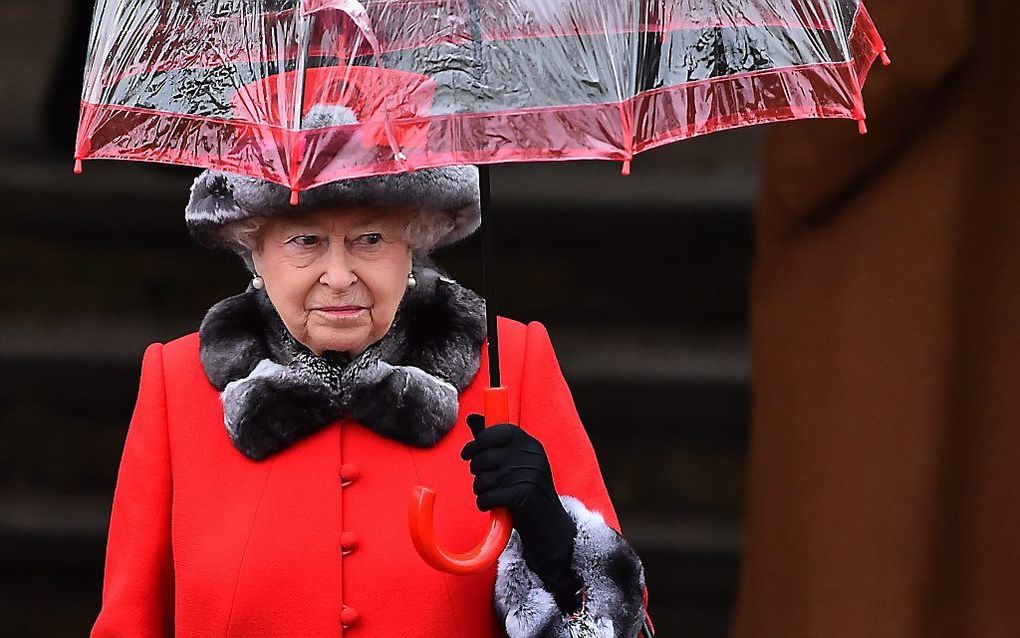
886,348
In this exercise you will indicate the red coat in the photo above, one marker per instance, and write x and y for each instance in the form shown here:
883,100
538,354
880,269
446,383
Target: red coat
206,542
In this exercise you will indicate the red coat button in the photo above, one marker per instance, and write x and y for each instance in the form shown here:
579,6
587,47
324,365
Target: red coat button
349,617
349,472
349,542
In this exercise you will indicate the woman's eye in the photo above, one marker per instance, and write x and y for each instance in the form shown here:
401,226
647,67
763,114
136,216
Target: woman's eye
370,239
305,240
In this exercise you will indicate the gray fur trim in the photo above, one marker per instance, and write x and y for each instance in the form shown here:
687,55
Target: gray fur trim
613,579
405,386
219,198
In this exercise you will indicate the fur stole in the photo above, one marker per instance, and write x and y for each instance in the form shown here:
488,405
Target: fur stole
405,386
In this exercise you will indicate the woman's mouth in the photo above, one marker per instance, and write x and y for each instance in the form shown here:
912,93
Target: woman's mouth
342,311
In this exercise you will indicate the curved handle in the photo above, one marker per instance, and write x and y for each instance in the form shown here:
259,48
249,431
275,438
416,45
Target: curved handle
421,515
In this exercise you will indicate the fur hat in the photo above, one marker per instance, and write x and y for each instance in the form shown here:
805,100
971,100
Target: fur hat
219,198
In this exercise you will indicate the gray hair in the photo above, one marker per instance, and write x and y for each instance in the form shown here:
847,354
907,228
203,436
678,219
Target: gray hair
422,231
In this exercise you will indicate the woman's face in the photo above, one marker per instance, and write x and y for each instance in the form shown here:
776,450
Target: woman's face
335,276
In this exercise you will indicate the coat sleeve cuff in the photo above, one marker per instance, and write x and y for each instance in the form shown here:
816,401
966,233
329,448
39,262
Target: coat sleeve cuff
613,585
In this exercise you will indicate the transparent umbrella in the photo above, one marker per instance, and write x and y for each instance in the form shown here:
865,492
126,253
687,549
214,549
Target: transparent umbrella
227,83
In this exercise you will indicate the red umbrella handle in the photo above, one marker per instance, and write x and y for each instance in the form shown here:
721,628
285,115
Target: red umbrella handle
422,514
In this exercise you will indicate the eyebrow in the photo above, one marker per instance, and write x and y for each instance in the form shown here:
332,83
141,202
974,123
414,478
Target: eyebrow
356,222
291,225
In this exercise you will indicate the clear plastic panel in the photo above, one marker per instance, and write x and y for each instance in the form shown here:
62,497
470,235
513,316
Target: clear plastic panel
218,83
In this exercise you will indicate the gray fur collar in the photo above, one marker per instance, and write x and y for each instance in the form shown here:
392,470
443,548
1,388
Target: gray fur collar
613,577
405,386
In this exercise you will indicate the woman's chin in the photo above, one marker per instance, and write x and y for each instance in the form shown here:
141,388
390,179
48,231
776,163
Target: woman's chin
349,341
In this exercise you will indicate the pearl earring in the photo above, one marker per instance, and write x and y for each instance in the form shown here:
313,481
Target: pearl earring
411,281
257,282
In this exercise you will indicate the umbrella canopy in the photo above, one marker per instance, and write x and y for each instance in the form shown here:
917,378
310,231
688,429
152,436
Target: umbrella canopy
228,84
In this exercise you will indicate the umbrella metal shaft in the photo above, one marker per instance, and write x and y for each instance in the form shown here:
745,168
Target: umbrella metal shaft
489,274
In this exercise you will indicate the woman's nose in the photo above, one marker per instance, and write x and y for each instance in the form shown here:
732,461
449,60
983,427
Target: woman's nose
338,272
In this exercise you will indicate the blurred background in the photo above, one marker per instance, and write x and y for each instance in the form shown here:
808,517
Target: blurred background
878,279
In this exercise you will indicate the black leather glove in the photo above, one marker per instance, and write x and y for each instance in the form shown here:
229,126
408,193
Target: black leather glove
511,470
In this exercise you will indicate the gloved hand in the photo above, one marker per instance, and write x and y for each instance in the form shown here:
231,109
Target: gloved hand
511,470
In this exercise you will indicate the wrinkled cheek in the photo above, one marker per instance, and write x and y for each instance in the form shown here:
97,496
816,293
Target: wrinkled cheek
381,325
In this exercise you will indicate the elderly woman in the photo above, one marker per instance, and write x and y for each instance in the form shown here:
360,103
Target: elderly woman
266,475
